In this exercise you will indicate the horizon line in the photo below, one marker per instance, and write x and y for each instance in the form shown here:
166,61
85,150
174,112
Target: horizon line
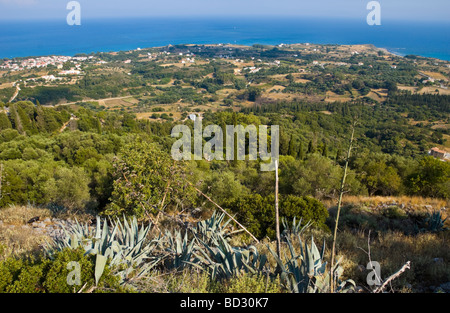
225,16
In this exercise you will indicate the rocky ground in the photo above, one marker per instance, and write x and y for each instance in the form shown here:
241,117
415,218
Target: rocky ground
52,227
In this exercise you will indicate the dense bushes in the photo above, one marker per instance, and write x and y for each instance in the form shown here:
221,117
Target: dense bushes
71,169
145,176
83,167
431,178
51,275
258,212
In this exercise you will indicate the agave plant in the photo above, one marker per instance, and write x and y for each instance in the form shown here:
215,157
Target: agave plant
208,230
434,222
222,260
306,272
293,229
124,245
178,250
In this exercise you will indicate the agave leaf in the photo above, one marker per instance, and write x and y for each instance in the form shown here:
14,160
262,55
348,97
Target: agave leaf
98,225
74,242
278,260
314,251
100,263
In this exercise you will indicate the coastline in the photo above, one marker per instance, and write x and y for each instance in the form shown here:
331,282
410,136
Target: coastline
372,46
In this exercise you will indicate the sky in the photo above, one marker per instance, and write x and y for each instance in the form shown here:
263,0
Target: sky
412,10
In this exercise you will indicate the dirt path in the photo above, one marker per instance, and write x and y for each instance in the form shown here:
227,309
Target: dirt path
16,93
100,101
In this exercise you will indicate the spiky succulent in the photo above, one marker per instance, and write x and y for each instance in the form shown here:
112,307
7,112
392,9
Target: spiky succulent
222,260
124,245
295,228
306,272
208,230
435,222
178,249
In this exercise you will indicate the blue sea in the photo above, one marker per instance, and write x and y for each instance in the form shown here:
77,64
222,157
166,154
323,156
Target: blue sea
55,37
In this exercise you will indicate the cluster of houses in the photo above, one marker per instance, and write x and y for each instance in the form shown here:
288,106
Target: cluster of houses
15,65
40,62
188,60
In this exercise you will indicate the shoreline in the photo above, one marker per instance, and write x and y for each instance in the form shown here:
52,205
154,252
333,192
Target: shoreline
386,50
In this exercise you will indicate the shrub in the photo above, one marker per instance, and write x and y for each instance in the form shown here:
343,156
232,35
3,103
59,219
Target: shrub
144,175
191,281
431,178
258,213
394,212
56,276
9,271
306,208
50,276
252,283
27,278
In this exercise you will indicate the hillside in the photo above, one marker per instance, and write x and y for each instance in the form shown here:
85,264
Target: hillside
90,136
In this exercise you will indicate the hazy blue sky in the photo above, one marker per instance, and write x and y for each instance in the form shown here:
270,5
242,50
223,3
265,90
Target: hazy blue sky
416,10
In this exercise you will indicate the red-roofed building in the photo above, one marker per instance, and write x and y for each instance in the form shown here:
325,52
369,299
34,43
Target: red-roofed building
439,154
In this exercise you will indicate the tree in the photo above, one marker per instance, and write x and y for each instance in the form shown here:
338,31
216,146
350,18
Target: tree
4,122
292,151
325,149
358,84
223,186
379,178
311,147
301,152
391,86
69,188
143,176
253,93
257,213
284,143
430,179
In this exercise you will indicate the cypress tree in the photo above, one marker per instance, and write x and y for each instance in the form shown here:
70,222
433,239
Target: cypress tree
4,122
325,149
292,151
311,148
301,153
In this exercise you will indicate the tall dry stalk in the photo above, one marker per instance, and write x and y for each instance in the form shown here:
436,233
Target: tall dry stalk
341,193
1,173
277,212
1,180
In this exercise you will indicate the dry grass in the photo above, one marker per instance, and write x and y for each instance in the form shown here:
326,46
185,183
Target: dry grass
392,243
18,238
428,253
426,90
20,241
375,96
406,200
20,215
432,90
6,85
276,87
333,97
435,75
446,139
122,102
